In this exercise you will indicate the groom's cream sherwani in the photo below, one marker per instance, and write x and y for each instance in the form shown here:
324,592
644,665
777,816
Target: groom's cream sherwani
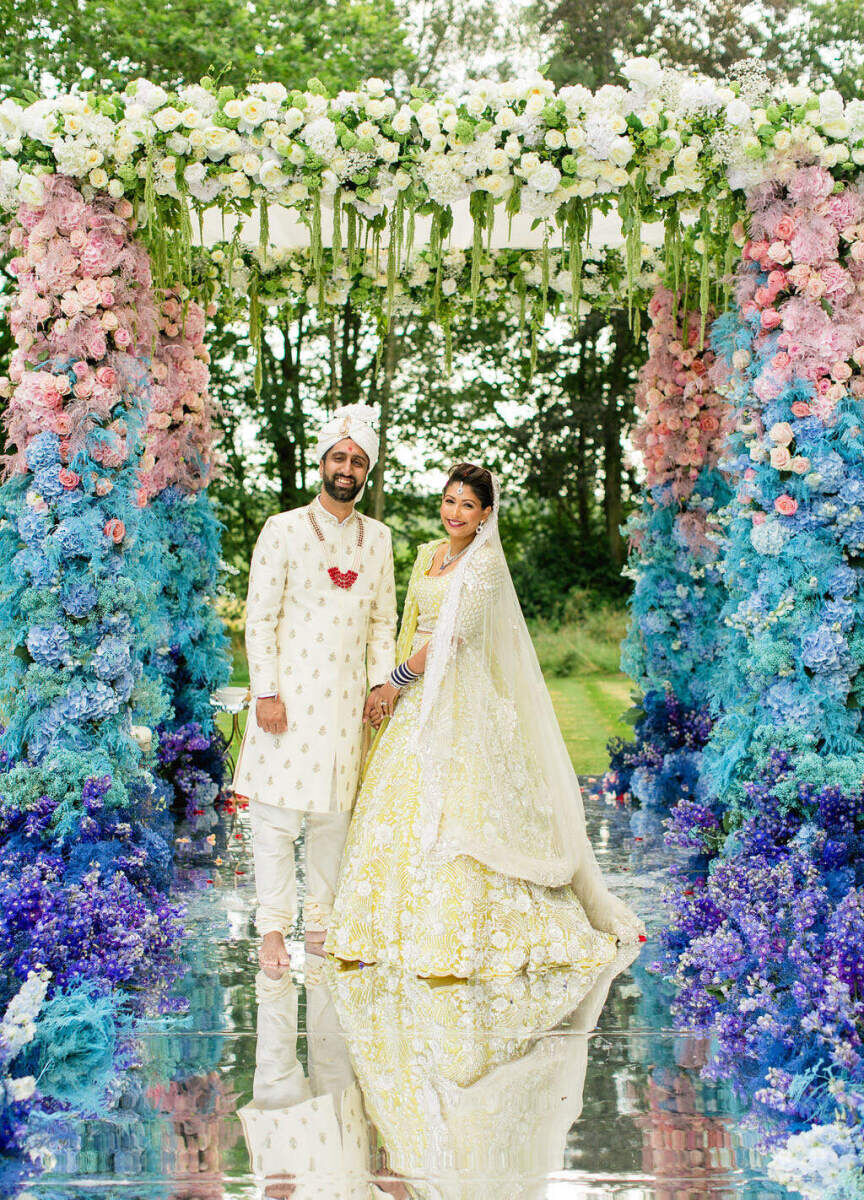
318,646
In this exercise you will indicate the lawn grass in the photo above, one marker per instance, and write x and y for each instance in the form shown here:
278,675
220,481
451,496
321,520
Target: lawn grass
589,708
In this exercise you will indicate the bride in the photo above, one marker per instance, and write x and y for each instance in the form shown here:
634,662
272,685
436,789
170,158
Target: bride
467,853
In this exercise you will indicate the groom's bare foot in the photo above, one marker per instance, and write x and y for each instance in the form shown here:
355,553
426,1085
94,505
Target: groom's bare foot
273,952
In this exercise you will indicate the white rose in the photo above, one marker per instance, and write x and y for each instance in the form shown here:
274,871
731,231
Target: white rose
329,182
475,104
233,109
238,183
858,155
737,112
534,105
649,117
216,140
686,158
30,189
836,127
497,160
798,94
375,109
196,139
497,185
402,119
782,139
621,151
115,188
167,119
124,146
253,111
72,123
642,71
546,178
506,118
585,188
429,128
448,286
575,137
195,173
402,180
449,121
250,163
388,151
831,103
293,119
295,192
438,143
554,139
167,165
529,163
99,178
297,155
375,86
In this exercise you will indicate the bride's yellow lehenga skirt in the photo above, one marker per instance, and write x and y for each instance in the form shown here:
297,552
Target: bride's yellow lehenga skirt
397,905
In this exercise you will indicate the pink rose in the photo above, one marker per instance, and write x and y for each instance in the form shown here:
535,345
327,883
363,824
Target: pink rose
780,458
84,387
771,318
800,409
107,376
786,505
61,423
758,518
800,464
785,227
115,530
122,338
841,371
68,479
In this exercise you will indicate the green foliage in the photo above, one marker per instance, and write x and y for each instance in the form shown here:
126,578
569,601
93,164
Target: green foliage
586,640
181,41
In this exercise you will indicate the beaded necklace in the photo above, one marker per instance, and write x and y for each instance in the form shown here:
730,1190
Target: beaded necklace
342,579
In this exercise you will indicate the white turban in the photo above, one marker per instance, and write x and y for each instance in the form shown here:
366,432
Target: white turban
355,421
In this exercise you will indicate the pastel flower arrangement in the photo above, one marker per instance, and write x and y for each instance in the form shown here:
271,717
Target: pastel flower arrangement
766,932
666,139
96,578
673,639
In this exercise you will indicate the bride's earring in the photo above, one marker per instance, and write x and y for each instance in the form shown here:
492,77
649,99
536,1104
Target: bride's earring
481,526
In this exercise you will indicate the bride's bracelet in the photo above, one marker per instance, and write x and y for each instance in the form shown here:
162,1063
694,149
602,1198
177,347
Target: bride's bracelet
402,676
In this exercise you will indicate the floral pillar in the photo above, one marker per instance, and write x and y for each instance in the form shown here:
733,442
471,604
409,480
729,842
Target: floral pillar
189,649
672,643
83,874
767,946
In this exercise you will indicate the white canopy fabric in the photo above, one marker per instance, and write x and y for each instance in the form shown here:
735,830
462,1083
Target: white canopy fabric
288,232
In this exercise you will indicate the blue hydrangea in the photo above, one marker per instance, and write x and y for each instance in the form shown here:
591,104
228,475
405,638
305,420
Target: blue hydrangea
78,598
112,658
842,581
78,537
47,482
32,526
769,537
823,649
49,644
43,451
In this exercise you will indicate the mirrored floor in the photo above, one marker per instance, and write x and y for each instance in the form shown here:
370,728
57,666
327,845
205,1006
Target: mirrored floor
361,1083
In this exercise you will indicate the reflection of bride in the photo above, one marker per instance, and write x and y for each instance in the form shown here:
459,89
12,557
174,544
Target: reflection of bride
468,854
469,1097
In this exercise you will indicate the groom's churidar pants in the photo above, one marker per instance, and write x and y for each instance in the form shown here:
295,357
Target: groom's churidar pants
274,832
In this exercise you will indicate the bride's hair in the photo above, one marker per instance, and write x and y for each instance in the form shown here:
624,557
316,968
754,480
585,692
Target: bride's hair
477,478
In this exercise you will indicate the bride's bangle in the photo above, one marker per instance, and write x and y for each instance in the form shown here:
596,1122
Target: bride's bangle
402,676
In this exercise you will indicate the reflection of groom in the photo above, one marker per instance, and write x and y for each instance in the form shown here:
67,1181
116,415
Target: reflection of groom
321,616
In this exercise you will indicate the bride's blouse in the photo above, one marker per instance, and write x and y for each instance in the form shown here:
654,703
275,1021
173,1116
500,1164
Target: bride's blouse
431,590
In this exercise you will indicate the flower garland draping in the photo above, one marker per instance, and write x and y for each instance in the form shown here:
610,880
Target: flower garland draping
666,143
766,940
672,641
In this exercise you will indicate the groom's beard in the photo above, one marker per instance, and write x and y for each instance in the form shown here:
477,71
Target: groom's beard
342,492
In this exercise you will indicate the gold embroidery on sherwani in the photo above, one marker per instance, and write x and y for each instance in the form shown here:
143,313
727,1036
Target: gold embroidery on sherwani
316,646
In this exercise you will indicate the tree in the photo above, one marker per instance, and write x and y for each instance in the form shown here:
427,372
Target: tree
830,44
591,38
180,41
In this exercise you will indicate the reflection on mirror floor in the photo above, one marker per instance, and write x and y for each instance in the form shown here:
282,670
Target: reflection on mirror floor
327,1081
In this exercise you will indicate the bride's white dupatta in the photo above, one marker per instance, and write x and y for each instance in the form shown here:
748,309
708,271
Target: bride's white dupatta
496,778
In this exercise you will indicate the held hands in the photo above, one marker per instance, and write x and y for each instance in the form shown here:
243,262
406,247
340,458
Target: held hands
270,714
380,703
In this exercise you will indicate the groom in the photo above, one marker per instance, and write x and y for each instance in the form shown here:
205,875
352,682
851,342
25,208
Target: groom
320,627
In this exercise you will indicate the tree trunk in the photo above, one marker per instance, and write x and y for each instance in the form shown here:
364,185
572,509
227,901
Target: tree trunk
384,394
